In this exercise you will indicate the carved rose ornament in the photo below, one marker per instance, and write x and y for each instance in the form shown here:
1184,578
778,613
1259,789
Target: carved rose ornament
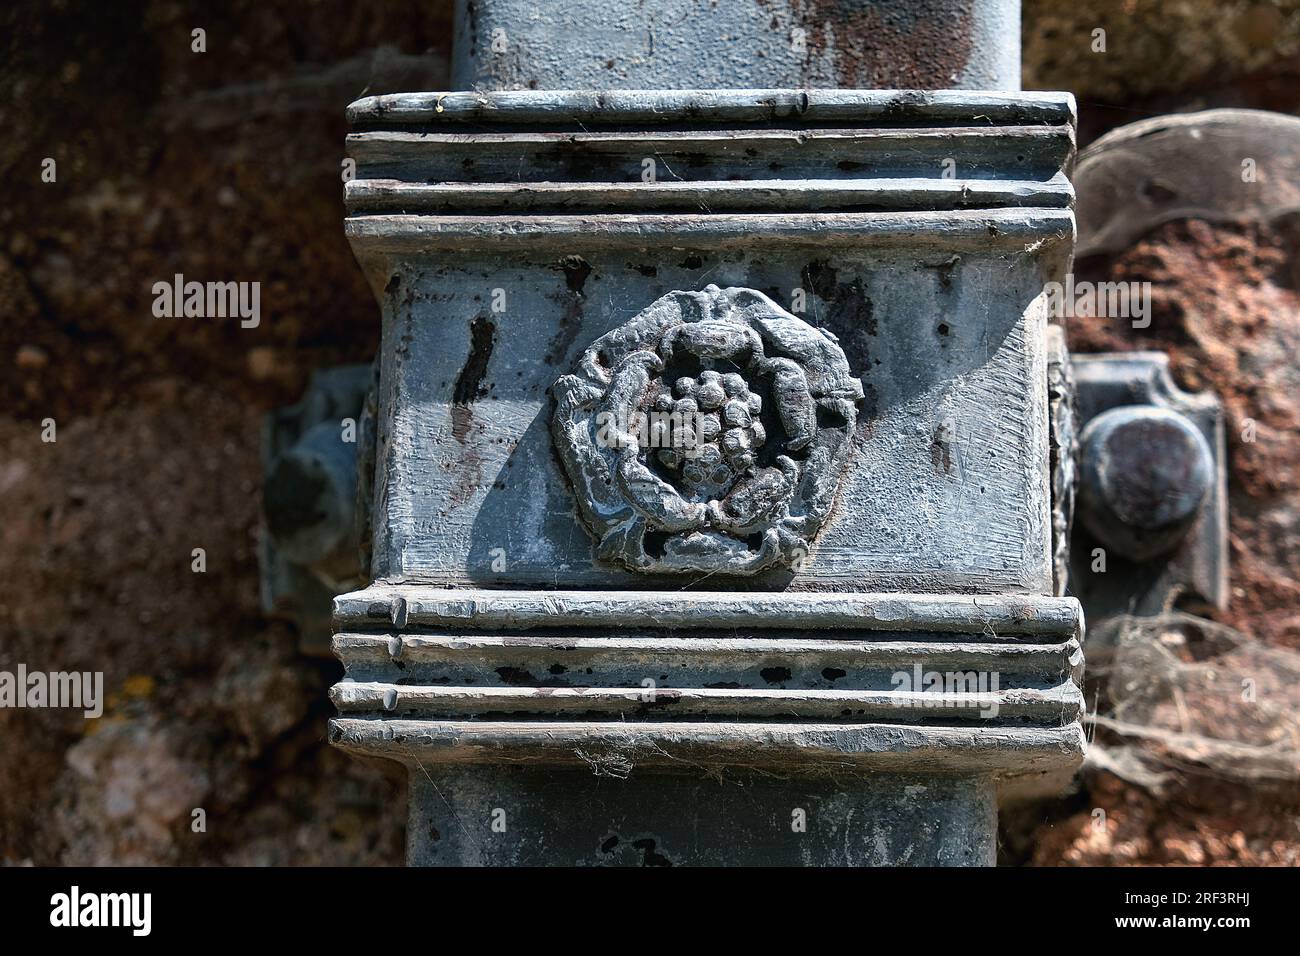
707,434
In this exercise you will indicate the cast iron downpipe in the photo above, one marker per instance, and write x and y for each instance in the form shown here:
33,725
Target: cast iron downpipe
713,515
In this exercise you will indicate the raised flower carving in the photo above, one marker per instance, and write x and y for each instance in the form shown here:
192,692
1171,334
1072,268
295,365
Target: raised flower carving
707,434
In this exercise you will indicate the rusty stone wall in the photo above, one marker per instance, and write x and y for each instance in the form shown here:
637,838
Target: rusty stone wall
218,165
1162,55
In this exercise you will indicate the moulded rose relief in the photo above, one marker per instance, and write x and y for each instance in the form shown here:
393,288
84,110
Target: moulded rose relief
707,434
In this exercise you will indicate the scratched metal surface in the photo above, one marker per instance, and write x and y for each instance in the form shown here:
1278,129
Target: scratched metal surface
945,489
864,44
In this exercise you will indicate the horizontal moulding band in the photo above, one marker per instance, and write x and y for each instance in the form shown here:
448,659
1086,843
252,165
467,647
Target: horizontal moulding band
1010,153
629,646
988,230
1055,705
807,195
413,605
712,106
625,747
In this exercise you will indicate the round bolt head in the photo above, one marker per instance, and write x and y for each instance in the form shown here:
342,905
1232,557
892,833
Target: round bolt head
1145,473
309,497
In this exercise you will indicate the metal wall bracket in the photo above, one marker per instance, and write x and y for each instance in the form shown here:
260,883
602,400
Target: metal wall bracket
309,545
1151,516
